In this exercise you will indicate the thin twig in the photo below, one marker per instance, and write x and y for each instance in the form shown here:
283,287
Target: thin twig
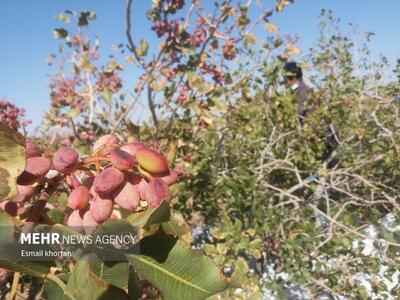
152,107
132,47
14,286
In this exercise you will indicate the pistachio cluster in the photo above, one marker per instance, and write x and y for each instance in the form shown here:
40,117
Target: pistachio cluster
117,178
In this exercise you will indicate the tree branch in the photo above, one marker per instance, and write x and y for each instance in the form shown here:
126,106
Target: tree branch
131,46
152,106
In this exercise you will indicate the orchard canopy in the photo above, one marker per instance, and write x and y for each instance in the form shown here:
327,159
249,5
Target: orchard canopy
207,155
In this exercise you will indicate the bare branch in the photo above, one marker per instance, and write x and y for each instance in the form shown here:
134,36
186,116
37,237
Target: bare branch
132,47
152,106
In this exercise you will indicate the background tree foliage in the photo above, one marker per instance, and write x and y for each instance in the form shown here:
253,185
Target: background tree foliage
271,193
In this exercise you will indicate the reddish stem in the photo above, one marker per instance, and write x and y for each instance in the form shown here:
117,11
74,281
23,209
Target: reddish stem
94,160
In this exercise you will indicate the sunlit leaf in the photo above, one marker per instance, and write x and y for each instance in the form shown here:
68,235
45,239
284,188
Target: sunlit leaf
271,27
175,270
12,161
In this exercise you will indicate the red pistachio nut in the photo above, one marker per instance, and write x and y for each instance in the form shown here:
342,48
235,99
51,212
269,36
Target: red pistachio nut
75,220
79,197
122,160
65,160
127,197
152,161
36,168
156,192
25,192
31,149
10,207
101,208
133,148
105,144
107,181
139,183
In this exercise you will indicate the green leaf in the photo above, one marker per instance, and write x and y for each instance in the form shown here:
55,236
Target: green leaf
240,274
84,284
51,290
55,215
210,249
219,233
35,268
255,244
63,18
59,200
114,272
254,252
106,96
292,50
249,39
281,4
151,216
134,287
271,27
85,16
12,158
60,33
176,225
176,271
113,65
195,81
7,246
143,48
218,105
222,248
84,63
73,112
134,130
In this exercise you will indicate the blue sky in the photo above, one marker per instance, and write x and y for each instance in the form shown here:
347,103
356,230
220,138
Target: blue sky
26,36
